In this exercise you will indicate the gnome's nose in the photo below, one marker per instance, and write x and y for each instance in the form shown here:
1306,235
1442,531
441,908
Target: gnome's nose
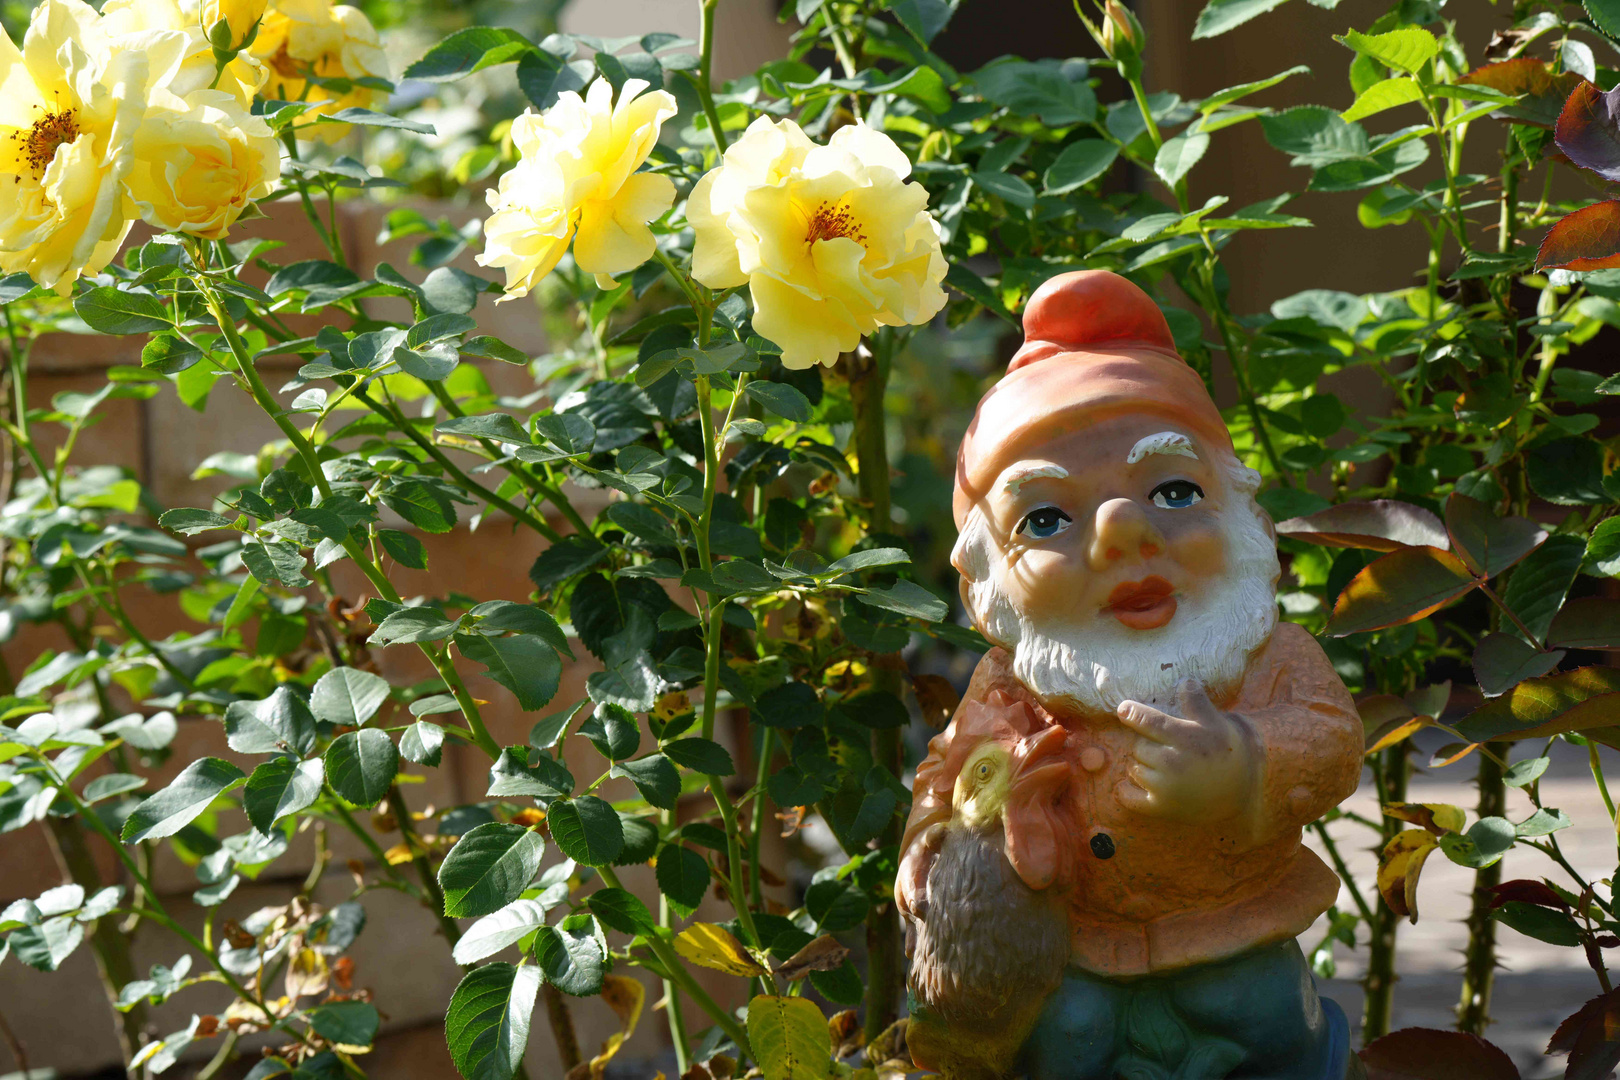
1122,532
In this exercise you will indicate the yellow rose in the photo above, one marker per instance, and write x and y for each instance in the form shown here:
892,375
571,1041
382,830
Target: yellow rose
240,18
71,101
124,20
576,180
299,38
200,162
831,240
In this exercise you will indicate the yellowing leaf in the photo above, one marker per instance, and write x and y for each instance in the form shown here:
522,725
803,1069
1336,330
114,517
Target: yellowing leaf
710,946
625,996
1438,818
1399,733
669,706
1399,865
790,1038
306,974
398,854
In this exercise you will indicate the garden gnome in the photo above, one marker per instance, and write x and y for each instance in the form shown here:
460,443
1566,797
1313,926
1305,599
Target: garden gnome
1102,875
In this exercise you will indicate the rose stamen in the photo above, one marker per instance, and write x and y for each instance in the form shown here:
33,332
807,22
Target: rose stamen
40,143
831,222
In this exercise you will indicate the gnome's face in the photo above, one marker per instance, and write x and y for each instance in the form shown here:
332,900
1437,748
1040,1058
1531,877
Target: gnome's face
1119,520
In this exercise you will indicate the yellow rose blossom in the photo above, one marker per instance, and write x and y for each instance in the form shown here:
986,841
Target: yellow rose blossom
71,100
832,241
123,19
239,17
298,38
576,180
200,162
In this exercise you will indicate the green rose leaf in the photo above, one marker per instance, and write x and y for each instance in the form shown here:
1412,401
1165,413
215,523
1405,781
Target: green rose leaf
587,830
179,804
361,765
487,1024
489,867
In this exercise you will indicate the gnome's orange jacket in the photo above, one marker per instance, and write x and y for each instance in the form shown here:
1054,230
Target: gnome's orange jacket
1151,894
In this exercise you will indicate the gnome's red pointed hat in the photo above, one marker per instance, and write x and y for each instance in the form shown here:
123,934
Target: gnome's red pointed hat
1095,345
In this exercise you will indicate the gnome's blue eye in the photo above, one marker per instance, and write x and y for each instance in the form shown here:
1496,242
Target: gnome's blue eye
1044,522
1177,494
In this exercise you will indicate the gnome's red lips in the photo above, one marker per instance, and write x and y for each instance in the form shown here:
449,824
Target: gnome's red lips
1143,605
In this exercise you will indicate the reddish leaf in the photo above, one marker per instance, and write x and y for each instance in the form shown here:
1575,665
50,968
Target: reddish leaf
1487,543
1428,1054
1526,891
1591,622
1541,93
1377,525
1588,130
1401,587
1588,239
1591,1038
1578,700
1502,661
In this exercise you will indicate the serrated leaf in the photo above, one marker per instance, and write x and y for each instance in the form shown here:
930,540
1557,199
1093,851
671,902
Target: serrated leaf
790,1038
622,911
487,1024
1079,164
700,755
423,743
785,401
182,801
654,777
587,830
682,875
345,1023
1408,48
571,957
348,697
506,927
281,786
524,664
713,947
110,310
361,765
1384,94
489,867
908,598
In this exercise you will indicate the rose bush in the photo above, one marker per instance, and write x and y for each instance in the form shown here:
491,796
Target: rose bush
751,289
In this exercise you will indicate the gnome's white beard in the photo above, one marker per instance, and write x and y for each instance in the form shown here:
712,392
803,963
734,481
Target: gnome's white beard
1211,639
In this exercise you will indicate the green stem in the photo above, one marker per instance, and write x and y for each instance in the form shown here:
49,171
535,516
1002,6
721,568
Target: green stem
757,818
550,492
312,463
517,513
672,1000
158,914
110,946
1479,957
1392,767
430,884
1343,870
671,963
18,358
704,80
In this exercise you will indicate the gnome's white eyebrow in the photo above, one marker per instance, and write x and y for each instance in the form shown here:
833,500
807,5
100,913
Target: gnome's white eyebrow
1019,475
1172,443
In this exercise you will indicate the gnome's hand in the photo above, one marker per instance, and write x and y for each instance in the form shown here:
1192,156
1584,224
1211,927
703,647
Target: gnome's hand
1196,767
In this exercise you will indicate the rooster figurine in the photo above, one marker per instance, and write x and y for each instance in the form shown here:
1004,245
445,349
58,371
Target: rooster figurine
982,889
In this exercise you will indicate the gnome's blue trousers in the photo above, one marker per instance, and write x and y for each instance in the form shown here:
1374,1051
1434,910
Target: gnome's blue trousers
1255,1015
